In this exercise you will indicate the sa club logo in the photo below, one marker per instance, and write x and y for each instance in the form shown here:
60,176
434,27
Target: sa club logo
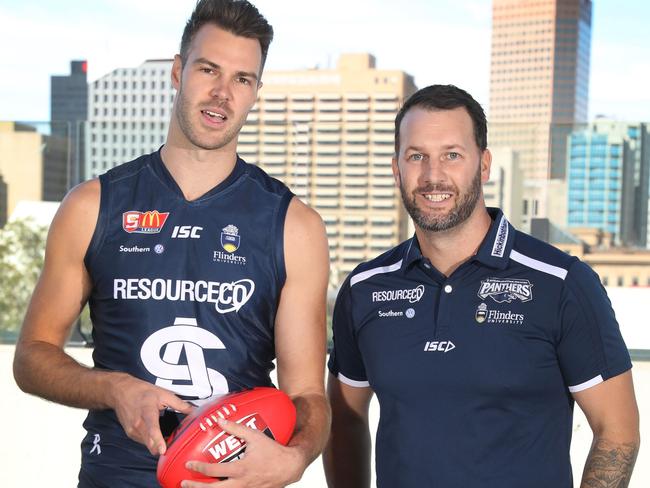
175,356
230,238
149,222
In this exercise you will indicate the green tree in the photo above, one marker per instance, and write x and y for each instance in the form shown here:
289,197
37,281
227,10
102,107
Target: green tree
22,248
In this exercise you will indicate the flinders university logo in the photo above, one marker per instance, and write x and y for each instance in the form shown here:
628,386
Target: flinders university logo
506,290
230,238
230,241
481,313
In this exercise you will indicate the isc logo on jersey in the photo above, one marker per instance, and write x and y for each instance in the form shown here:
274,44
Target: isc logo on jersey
186,232
149,222
439,346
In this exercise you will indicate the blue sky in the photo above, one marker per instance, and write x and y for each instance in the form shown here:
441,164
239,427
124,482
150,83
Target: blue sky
437,41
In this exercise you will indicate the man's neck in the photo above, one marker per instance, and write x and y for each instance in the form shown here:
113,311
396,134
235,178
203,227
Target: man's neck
447,250
197,171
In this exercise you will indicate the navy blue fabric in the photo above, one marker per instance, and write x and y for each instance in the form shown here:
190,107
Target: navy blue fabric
472,371
186,301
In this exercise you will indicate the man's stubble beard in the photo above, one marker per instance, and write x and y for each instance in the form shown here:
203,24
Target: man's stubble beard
209,142
457,215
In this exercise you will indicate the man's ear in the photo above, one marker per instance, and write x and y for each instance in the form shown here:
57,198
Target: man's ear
486,164
177,72
396,174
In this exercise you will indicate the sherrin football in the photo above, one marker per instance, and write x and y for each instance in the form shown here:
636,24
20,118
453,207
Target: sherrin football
199,437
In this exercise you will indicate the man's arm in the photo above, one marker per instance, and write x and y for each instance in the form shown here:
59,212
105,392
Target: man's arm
347,455
301,329
42,368
300,345
612,413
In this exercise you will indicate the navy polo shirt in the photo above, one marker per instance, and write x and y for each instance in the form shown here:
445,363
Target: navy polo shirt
474,372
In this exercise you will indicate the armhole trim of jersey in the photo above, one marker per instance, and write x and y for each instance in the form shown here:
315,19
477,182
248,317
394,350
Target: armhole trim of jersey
357,384
278,237
99,234
587,384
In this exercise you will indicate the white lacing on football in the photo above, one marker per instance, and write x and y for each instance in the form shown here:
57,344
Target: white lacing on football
223,413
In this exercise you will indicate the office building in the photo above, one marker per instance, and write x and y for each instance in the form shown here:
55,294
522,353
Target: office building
128,114
608,172
505,186
329,135
64,152
21,165
616,266
539,87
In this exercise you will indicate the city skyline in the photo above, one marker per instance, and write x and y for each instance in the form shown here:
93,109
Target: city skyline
111,35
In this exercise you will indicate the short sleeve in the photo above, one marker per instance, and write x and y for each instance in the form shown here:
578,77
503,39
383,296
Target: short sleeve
345,360
591,348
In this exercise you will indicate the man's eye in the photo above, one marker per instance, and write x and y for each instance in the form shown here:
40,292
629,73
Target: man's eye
207,70
415,157
244,81
453,155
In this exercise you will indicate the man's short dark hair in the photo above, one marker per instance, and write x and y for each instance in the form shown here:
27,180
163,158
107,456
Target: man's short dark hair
239,17
445,97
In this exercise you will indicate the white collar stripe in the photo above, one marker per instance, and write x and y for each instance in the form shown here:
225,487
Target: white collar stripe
364,275
538,265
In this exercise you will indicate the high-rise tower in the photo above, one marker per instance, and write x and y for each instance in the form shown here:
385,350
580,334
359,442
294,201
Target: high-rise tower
539,86
64,151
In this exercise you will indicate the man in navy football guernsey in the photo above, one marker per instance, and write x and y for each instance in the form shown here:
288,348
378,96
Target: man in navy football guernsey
199,270
475,337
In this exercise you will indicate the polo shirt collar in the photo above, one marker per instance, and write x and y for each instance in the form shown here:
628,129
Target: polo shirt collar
494,251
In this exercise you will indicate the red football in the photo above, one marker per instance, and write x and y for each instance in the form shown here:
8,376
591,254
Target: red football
200,438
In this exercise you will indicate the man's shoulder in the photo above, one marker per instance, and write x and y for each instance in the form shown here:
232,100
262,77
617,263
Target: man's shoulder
265,181
127,169
542,256
387,262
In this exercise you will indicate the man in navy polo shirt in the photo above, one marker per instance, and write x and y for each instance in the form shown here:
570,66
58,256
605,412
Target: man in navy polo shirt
476,338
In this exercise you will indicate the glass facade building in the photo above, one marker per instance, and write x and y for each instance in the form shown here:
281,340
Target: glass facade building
607,175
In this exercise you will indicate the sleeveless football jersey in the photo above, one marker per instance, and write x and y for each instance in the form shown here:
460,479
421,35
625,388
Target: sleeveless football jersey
184,296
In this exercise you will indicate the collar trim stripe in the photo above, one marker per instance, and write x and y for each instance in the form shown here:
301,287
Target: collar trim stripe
355,383
587,384
501,239
538,265
364,275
